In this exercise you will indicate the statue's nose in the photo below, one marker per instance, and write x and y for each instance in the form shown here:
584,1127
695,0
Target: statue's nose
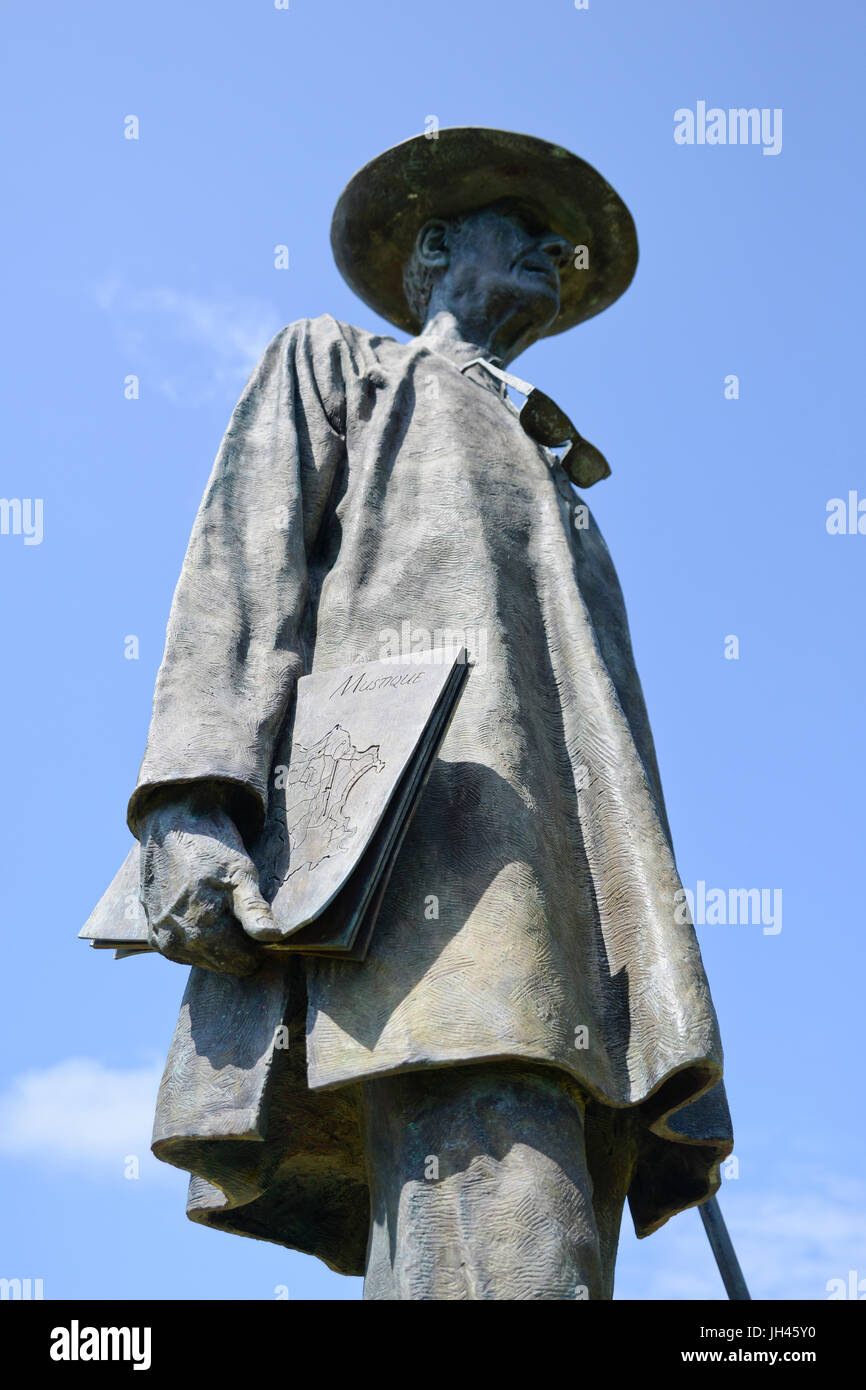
557,248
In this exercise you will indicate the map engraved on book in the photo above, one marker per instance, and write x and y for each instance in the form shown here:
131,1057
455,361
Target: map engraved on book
318,784
332,832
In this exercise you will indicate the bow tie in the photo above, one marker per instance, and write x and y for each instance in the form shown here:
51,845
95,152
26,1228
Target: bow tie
548,425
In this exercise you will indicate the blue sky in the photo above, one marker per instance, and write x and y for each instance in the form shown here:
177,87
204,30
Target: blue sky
156,257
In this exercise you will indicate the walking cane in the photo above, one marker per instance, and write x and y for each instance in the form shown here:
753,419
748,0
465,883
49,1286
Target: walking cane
720,1243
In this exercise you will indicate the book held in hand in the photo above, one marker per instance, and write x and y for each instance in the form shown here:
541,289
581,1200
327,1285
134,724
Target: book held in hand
347,776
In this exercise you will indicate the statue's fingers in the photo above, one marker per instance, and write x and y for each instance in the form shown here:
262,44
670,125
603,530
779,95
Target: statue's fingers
251,909
225,949
215,944
168,937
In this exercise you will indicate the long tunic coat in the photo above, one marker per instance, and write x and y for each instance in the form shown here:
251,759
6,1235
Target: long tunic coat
366,488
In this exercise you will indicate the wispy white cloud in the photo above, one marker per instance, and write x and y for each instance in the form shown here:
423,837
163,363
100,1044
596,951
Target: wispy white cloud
791,1239
81,1114
187,347
793,1242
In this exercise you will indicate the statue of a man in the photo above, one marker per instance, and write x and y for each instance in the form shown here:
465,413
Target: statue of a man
531,1038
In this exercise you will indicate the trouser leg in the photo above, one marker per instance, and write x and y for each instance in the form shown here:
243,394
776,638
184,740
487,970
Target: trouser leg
611,1155
479,1186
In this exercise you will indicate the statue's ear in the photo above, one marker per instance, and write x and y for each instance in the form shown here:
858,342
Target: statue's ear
431,244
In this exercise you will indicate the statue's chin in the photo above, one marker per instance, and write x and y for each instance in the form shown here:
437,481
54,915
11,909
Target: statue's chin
536,317
540,304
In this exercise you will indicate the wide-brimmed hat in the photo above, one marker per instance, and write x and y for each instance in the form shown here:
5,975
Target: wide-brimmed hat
465,168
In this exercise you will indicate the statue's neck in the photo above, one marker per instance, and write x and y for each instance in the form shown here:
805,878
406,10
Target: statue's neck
446,335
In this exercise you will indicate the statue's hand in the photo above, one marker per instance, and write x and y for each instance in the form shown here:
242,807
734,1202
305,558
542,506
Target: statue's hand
199,888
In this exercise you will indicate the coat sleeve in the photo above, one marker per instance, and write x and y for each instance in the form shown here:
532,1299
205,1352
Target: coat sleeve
234,648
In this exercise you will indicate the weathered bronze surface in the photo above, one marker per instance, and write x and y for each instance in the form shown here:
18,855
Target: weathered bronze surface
382,209
531,1037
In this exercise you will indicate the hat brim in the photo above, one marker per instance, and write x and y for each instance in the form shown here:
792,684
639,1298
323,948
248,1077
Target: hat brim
383,207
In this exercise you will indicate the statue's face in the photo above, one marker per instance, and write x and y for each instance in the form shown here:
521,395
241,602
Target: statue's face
504,256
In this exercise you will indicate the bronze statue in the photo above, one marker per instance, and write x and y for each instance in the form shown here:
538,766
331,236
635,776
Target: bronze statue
531,1038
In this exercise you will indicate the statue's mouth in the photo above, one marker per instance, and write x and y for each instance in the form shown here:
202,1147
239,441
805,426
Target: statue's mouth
536,265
